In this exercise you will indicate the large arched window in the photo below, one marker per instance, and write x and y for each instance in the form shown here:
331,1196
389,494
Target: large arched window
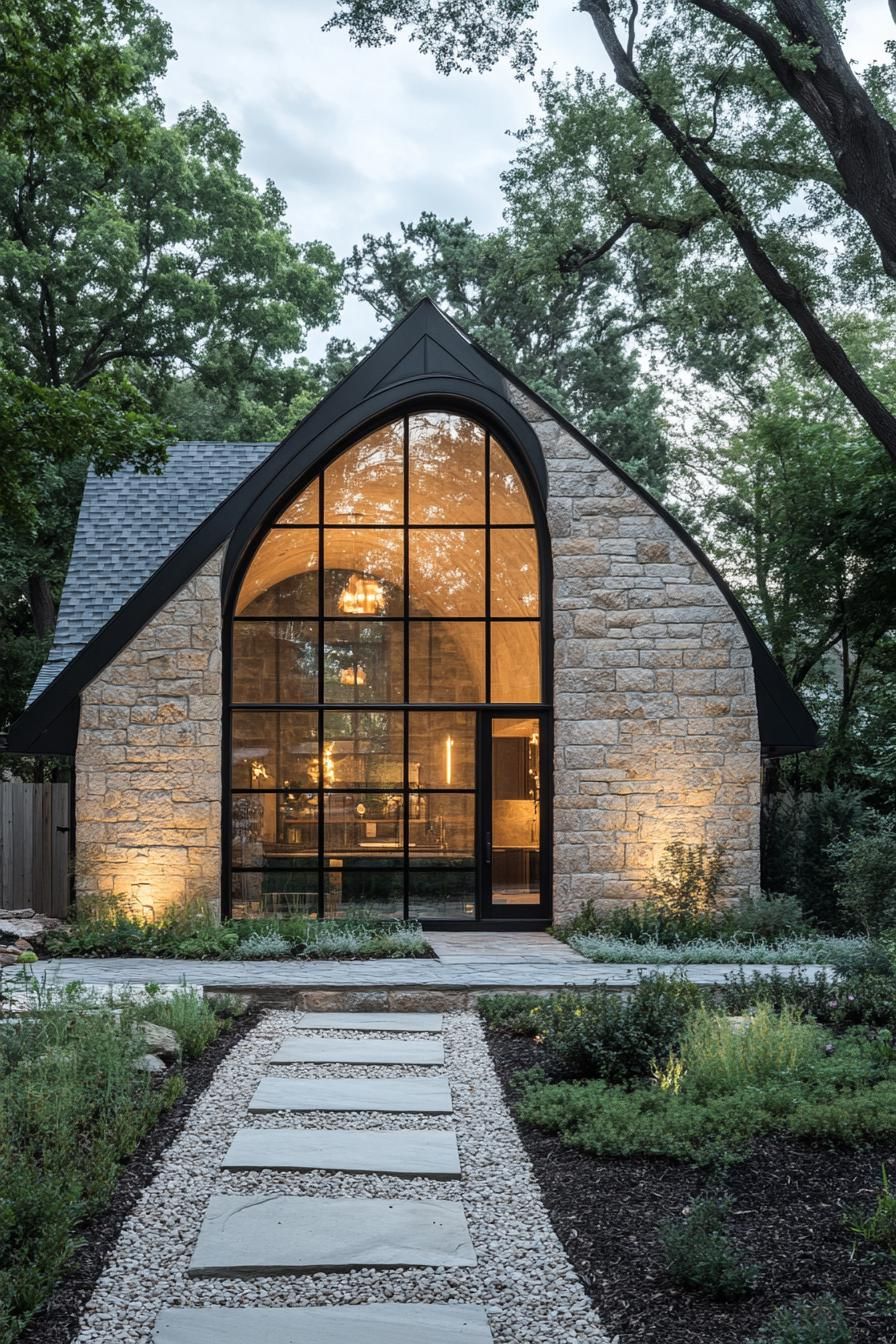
394,600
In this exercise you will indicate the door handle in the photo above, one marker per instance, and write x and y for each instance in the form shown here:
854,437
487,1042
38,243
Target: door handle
488,846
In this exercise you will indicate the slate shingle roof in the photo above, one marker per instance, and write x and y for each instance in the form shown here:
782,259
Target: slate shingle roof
128,526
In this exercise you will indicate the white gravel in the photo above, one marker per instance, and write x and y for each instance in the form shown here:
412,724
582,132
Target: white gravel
523,1278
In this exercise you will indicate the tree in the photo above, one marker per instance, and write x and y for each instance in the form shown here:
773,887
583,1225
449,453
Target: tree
568,337
132,254
734,107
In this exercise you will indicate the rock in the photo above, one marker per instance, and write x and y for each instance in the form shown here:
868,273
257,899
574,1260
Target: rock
159,1041
23,945
8,958
149,1064
26,912
34,929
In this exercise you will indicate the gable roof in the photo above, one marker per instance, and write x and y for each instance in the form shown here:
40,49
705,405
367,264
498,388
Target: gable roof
121,573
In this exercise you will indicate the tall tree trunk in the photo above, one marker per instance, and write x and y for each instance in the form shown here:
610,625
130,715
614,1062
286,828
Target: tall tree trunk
43,608
828,352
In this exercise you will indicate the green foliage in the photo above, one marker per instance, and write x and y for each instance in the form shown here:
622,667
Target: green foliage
259,946
879,1226
723,950
516,1014
699,1253
866,874
688,881
607,1036
769,1047
819,1320
197,1021
863,998
72,1108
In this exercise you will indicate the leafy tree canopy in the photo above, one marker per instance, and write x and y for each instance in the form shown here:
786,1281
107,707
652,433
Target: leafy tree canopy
568,337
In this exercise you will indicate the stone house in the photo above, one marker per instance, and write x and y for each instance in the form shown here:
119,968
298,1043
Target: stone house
434,654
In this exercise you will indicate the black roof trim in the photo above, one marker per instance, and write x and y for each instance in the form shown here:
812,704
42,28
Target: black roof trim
425,357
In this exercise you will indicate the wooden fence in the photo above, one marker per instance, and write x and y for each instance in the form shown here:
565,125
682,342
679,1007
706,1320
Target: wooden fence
34,846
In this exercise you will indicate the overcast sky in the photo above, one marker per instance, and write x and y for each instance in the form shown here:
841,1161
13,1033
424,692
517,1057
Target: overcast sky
359,140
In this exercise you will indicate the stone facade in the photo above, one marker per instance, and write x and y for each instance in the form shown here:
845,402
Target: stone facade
655,729
656,736
148,766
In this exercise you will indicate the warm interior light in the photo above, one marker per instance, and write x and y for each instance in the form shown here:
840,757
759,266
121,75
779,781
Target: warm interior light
362,597
328,764
353,676
449,745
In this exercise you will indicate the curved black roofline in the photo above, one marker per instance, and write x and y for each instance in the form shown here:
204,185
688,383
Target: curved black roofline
425,357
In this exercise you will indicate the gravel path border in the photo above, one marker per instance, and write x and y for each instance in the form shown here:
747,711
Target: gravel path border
523,1278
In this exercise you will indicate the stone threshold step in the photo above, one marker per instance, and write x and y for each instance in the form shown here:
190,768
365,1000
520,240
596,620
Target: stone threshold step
403,1152
248,1236
395,1323
431,1022
394,1096
339,1050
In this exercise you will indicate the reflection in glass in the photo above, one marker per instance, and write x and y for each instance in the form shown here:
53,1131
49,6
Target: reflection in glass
352,892
365,484
305,508
516,662
514,572
278,892
273,828
364,824
443,827
509,502
282,577
366,748
274,662
363,662
364,571
274,750
442,748
447,572
447,661
442,893
516,812
446,469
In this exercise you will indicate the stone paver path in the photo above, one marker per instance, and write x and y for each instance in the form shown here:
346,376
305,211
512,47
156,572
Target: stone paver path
330,1050
426,1096
430,1152
375,1324
392,1022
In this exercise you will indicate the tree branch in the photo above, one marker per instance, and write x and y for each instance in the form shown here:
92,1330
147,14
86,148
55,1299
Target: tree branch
828,352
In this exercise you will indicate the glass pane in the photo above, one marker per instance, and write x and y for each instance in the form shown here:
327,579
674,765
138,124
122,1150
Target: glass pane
366,483
273,828
442,893
273,750
447,661
274,662
442,826
363,662
278,891
516,662
516,812
514,561
282,578
365,893
447,575
508,503
305,508
364,749
442,750
446,466
364,826
364,571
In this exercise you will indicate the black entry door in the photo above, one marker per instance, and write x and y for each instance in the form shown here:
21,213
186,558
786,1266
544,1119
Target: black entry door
514,871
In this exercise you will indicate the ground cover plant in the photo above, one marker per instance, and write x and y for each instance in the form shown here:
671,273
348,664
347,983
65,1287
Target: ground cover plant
108,926
724,1156
73,1107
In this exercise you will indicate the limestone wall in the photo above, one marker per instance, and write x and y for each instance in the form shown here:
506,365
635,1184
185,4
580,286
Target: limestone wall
656,736
148,768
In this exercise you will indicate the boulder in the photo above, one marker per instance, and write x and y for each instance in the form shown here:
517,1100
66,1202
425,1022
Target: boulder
149,1064
34,929
159,1041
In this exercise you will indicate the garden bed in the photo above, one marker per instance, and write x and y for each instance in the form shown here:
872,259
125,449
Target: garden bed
791,1205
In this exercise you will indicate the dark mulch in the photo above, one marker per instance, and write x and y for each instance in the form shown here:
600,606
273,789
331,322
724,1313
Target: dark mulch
790,1202
58,1320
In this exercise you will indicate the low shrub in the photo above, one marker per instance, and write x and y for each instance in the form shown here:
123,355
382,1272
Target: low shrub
699,1253
769,1048
865,999
725,951
197,1021
72,1108
607,1036
260,946
817,1321
688,880
516,1014
879,1226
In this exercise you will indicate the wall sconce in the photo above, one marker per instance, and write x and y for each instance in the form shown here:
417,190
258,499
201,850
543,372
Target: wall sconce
449,748
362,597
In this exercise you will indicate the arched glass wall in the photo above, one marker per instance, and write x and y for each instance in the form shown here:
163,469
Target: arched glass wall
396,595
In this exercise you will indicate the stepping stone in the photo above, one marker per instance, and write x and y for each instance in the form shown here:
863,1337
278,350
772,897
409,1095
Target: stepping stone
421,1096
396,1323
401,1152
372,1021
244,1236
310,1050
